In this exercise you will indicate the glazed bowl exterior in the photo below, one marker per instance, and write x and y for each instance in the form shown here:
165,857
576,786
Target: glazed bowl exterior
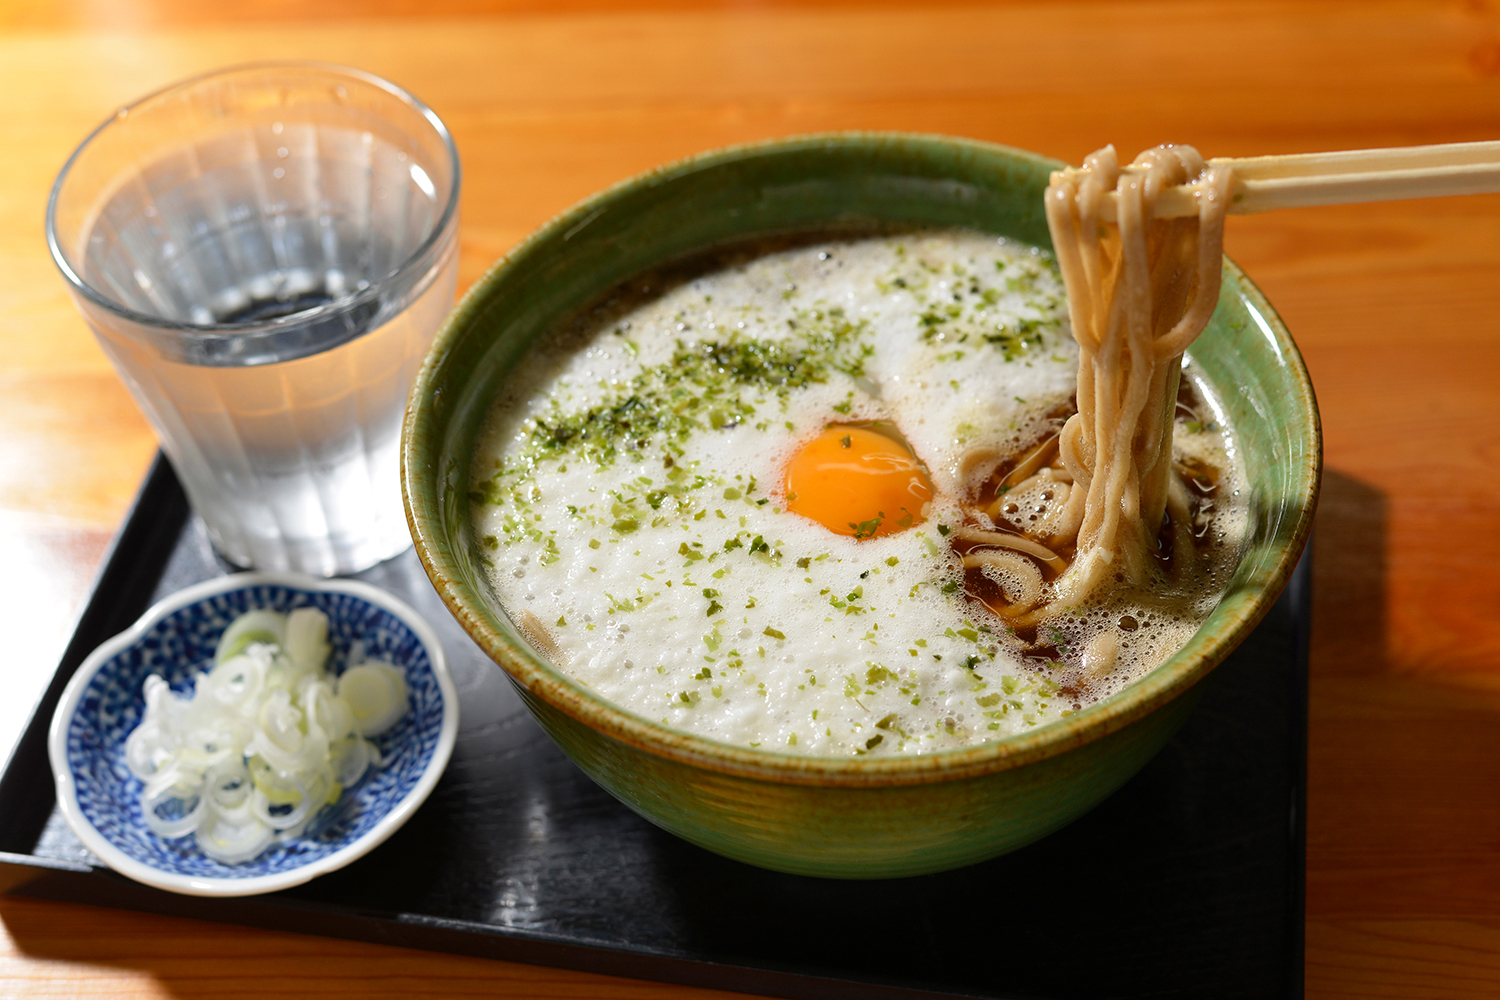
837,817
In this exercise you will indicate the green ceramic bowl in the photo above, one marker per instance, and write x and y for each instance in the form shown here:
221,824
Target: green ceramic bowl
847,818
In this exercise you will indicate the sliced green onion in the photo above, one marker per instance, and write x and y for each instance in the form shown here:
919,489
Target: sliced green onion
377,694
267,739
268,627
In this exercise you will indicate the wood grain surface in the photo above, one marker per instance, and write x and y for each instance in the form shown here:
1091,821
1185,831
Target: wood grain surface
1395,306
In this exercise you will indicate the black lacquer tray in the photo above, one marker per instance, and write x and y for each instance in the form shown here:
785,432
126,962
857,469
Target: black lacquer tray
1187,882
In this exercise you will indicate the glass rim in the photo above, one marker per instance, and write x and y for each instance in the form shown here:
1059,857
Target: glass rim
345,303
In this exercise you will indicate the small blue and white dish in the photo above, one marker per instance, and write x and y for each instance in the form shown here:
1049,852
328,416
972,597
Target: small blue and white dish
104,702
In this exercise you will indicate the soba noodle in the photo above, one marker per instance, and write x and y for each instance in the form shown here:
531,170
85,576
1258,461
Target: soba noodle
1139,293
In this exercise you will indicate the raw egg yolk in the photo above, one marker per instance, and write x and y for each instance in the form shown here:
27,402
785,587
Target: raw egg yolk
855,481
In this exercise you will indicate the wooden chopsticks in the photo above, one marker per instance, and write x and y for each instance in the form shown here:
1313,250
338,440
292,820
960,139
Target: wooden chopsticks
1263,183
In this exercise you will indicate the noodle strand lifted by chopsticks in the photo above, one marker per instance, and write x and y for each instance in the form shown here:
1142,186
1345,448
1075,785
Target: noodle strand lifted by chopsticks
1139,293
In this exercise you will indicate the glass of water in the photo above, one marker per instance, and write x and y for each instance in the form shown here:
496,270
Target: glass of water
264,253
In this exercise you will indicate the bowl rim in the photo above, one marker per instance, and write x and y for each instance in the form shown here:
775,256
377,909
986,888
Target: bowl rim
114,857
1237,614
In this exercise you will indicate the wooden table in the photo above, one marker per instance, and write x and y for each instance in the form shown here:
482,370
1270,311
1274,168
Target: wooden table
1395,306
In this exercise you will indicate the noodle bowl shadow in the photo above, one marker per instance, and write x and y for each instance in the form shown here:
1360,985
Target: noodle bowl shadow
837,817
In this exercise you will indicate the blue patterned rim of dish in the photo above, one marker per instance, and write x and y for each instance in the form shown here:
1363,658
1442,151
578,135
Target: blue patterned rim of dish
104,702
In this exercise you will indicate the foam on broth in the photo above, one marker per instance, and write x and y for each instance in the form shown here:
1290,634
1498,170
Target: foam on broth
633,521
